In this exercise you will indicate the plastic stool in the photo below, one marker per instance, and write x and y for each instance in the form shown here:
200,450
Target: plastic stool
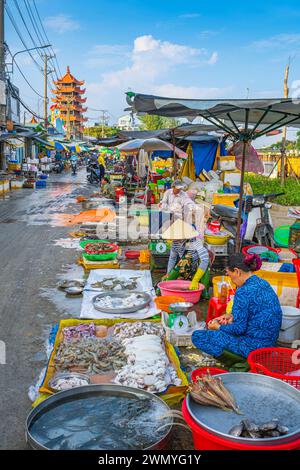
215,309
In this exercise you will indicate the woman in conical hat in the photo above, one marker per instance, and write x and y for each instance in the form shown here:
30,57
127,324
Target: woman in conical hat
188,257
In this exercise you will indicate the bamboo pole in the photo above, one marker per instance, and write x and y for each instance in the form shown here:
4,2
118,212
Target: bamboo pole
283,142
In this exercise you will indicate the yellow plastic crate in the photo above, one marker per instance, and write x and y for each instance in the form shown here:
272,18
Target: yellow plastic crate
225,199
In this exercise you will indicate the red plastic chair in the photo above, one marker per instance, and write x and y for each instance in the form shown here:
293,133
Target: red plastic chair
296,262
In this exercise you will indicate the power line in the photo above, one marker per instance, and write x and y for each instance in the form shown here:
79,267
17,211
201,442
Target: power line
27,29
14,95
11,17
37,32
46,36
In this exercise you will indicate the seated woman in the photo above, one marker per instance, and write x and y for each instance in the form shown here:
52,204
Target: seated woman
256,313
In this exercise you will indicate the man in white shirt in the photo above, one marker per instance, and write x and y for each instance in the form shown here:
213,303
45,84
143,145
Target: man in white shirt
175,199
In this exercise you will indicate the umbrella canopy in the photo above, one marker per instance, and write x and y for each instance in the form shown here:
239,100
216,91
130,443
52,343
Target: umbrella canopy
244,120
149,145
263,114
58,145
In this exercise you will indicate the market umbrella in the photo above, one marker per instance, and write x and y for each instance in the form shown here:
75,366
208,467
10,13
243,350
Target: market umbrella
243,120
58,145
149,145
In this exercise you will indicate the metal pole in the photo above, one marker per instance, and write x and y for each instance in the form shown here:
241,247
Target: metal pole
239,220
174,153
2,47
46,90
2,79
283,142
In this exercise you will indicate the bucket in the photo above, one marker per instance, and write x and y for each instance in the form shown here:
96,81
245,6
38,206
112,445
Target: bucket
290,328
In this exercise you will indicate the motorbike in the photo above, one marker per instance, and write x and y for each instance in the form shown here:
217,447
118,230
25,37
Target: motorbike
58,167
74,167
93,171
257,225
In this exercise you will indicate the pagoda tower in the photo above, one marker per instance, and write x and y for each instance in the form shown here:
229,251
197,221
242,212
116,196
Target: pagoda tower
68,104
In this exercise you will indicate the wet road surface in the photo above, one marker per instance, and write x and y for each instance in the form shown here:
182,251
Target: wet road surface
30,304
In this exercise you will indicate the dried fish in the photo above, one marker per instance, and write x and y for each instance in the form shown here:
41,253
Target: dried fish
211,391
237,430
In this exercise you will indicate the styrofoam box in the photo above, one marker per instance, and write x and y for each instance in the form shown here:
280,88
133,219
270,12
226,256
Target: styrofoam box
233,178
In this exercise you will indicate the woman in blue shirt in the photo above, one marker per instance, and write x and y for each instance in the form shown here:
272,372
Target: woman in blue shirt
256,313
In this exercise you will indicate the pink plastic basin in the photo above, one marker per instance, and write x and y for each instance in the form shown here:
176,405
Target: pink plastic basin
181,288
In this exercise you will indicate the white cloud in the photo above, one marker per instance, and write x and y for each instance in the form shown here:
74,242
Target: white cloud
105,55
283,40
213,59
192,92
190,15
149,67
61,23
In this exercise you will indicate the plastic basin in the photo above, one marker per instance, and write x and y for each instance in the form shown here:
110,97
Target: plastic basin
164,301
281,235
132,254
203,440
203,371
181,288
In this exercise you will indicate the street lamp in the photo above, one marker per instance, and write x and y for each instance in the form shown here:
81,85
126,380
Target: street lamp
26,50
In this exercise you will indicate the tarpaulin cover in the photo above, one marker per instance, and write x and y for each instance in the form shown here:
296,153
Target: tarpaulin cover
204,155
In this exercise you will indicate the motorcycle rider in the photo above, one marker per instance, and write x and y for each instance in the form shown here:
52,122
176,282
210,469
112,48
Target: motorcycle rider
74,160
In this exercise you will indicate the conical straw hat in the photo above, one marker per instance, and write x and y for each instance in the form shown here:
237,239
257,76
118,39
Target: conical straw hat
179,230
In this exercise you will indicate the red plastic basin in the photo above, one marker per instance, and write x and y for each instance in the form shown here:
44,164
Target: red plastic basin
181,288
203,371
132,254
203,440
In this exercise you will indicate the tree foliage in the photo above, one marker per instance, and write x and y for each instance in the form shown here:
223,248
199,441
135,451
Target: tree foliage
96,131
151,122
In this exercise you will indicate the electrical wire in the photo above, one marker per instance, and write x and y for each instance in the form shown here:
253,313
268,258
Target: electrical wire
14,95
27,29
39,34
46,36
39,37
11,17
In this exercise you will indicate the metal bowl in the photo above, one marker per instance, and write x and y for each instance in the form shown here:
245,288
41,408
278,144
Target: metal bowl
260,398
123,294
181,306
66,375
99,392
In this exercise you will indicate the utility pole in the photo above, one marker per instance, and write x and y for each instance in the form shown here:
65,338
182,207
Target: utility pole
103,111
2,82
46,73
283,142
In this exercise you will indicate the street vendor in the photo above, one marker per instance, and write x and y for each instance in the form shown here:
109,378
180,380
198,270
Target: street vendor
256,315
107,189
188,258
176,200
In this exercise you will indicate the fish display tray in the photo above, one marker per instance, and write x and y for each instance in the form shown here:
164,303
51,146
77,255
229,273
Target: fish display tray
122,295
91,392
260,399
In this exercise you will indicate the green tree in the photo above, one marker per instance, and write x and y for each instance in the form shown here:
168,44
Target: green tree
96,131
151,122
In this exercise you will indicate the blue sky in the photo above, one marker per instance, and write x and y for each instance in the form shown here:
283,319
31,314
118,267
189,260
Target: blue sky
184,49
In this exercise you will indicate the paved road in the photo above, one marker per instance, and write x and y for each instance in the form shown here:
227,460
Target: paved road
29,263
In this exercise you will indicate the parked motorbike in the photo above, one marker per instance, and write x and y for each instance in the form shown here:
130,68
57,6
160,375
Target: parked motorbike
257,224
93,175
58,167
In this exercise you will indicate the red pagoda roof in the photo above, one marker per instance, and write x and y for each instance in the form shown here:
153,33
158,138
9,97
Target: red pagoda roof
68,78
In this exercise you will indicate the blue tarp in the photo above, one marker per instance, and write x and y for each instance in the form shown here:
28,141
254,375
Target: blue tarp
204,155
162,153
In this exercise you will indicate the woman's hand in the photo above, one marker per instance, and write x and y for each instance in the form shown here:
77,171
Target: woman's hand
213,325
